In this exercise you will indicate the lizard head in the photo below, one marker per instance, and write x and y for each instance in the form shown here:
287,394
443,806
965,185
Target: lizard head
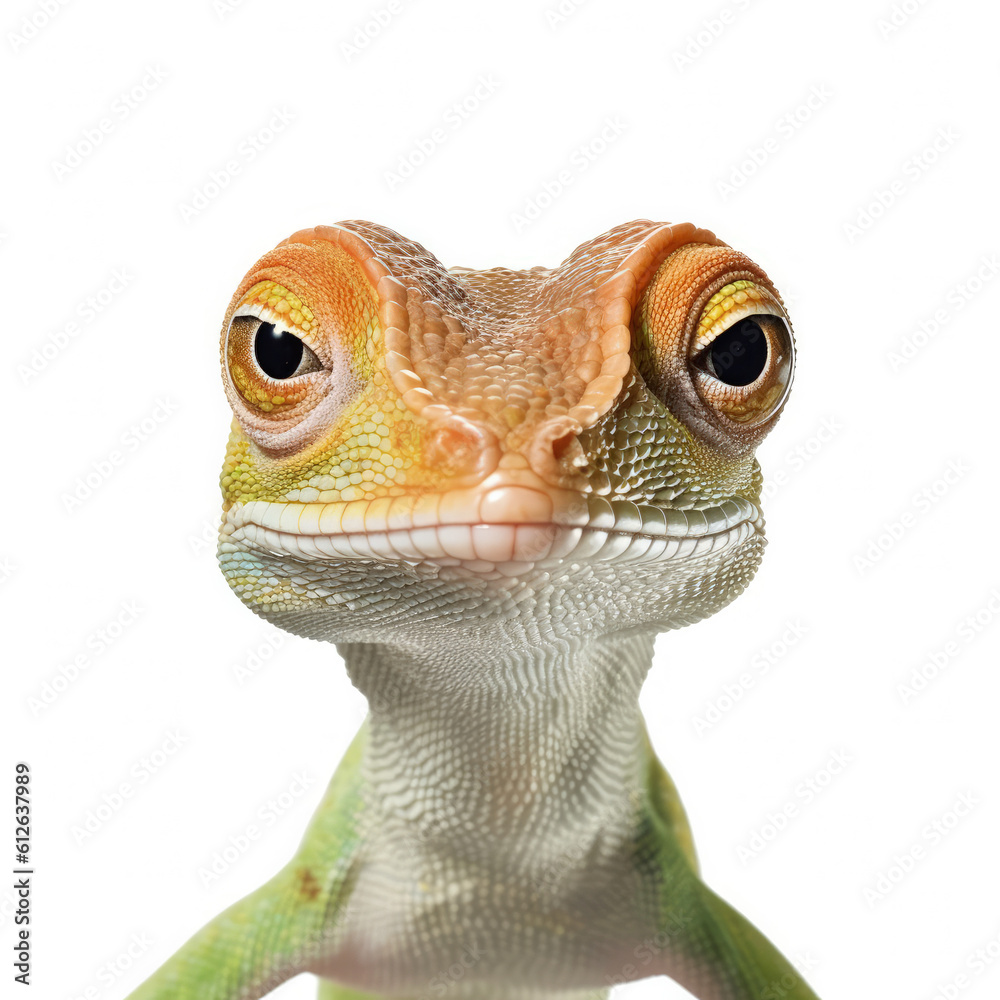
418,450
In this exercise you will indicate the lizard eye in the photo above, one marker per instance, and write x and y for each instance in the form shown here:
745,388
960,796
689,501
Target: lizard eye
296,355
741,357
738,355
713,343
280,354
268,361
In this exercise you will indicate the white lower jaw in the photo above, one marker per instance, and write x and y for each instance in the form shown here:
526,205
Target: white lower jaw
507,549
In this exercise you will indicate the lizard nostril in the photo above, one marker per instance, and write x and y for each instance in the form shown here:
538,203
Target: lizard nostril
555,453
563,447
458,449
452,448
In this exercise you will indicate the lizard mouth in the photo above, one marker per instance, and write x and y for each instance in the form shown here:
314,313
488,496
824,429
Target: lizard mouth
592,529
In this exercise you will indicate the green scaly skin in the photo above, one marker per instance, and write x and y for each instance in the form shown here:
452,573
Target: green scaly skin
492,490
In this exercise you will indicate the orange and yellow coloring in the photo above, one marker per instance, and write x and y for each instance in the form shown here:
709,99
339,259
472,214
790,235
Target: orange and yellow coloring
275,303
492,489
373,439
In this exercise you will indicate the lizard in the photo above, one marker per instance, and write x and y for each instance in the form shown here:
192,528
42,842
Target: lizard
492,489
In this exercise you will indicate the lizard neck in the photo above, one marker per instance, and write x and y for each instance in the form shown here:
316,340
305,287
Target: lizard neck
491,750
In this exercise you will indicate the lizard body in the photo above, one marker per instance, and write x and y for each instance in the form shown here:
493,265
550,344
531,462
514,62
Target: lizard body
492,489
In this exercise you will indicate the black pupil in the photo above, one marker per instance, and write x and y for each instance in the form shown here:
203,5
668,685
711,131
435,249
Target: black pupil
740,353
278,352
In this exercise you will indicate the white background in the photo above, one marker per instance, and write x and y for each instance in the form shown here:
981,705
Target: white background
705,138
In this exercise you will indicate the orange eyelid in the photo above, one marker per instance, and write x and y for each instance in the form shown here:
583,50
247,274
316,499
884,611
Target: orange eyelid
682,283
698,292
328,287
320,286
317,291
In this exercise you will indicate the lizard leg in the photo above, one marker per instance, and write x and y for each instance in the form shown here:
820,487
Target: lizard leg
277,931
703,943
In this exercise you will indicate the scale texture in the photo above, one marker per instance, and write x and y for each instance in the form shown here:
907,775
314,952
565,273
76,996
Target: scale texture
492,489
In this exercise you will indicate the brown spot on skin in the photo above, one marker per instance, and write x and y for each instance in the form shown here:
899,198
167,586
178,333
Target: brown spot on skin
308,886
